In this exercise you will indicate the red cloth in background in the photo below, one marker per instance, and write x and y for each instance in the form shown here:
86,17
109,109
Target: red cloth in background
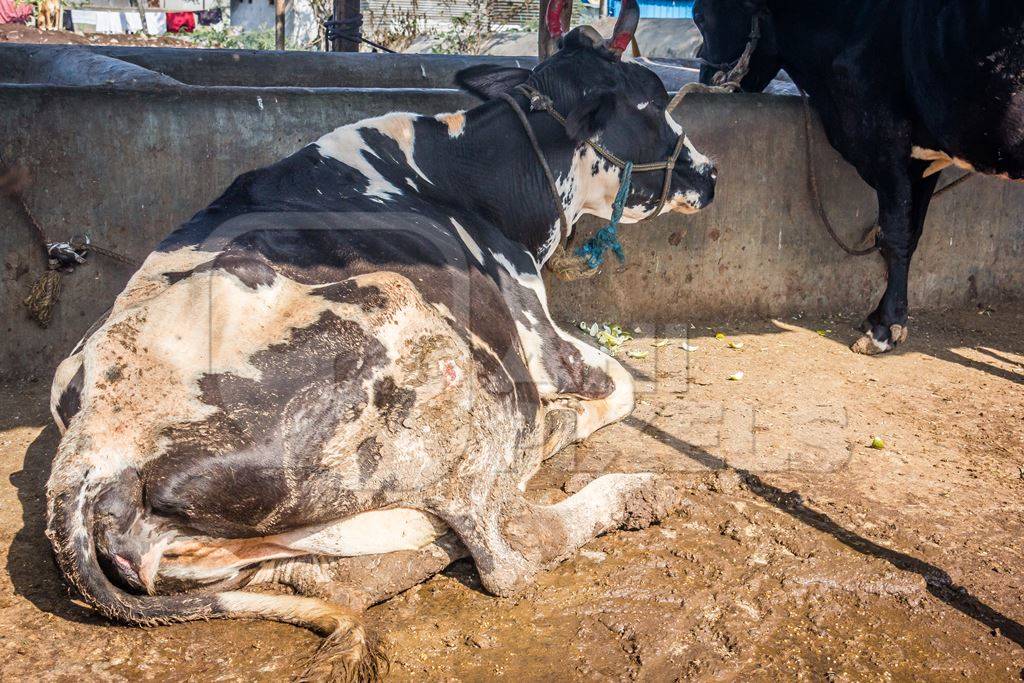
13,13
178,22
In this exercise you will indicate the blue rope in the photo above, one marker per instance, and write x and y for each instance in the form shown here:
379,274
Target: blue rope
608,237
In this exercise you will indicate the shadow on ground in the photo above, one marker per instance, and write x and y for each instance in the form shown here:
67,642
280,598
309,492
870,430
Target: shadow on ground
993,339
938,581
35,577
30,564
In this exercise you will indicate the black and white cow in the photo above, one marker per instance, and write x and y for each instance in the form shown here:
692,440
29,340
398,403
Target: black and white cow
349,355
903,89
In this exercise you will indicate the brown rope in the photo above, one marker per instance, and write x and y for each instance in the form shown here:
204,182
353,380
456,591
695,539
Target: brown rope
569,267
871,230
116,256
13,184
733,77
532,137
43,296
819,207
564,265
541,102
725,81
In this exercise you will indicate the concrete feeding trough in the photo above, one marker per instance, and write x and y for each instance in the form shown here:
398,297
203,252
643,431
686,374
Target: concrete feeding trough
125,143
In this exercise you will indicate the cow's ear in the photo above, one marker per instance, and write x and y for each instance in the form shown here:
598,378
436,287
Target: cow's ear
487,81
591,115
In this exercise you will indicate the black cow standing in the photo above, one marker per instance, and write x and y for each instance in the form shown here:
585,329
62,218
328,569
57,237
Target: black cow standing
903,89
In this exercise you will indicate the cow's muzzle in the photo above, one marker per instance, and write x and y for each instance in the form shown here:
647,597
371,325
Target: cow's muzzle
693,190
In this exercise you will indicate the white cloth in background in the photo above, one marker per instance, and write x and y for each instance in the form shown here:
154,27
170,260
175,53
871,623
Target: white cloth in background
131,22
108,22
156,23
80,17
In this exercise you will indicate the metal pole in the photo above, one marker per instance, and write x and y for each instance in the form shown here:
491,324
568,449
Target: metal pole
279,24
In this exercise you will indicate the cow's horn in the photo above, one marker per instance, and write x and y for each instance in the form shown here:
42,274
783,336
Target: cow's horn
553,19
625,26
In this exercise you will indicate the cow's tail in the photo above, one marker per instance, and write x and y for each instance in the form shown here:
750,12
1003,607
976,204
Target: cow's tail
348,653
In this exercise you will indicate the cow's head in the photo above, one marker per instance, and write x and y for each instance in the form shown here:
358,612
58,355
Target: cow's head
726,26
619,105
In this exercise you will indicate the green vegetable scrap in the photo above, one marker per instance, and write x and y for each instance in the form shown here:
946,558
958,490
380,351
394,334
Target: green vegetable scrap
610,337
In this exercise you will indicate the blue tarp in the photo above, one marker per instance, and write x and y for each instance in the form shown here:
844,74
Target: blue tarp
658,9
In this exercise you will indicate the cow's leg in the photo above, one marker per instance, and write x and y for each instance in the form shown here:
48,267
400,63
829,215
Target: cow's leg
359,582
572,417
582,388
352,584
596,413
573,412
511,539
903,200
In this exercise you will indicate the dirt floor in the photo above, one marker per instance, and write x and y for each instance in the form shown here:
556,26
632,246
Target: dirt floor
802,553
18,33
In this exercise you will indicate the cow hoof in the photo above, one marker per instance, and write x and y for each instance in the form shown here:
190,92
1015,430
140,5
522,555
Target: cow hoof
650,506
869,346
899,333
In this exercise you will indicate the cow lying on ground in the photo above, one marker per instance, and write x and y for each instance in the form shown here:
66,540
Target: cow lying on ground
903,89
340,375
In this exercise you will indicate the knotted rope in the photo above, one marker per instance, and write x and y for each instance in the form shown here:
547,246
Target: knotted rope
61,257
349,30
567,266
608,237
729,76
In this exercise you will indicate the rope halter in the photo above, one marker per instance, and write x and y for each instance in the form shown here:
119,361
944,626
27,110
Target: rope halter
541,102
728,75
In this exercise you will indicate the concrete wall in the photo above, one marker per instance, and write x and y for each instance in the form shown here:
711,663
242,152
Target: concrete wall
267,68
19,63
128,165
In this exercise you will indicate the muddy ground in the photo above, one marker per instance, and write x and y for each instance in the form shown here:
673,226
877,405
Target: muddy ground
802,553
